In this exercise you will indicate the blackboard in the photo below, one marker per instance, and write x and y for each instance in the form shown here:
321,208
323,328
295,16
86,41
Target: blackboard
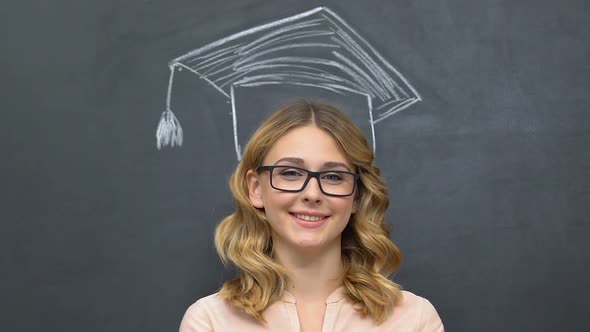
488,167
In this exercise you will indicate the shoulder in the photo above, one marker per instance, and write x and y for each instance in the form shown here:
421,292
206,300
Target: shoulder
196,317
200,315
213,302
417,311
213,313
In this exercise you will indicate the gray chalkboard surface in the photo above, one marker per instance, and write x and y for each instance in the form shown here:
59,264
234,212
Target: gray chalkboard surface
478,112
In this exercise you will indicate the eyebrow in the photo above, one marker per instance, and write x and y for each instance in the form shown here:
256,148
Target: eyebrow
300,162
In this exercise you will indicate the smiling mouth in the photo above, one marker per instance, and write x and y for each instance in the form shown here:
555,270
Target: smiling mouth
306,217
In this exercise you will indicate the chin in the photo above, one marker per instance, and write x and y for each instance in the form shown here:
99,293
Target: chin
307,244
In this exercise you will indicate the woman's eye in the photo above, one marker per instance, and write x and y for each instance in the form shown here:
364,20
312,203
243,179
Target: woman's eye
291,172
333,177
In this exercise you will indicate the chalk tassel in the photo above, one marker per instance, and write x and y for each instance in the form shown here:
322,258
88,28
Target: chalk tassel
169,130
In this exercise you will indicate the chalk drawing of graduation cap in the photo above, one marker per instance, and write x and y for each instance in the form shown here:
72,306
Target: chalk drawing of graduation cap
316,49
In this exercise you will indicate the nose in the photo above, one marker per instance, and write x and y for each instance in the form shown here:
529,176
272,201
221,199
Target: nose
312,191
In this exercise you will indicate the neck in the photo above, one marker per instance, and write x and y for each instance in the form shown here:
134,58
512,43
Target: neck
314,274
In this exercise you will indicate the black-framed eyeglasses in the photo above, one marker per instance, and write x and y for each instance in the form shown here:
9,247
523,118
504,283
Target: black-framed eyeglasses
294,179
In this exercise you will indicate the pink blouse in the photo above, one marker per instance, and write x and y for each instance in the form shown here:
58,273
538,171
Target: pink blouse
211,313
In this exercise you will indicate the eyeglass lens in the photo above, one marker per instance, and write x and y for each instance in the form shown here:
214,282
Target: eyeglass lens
331,182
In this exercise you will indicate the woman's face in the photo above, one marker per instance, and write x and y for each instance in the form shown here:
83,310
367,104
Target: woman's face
307,219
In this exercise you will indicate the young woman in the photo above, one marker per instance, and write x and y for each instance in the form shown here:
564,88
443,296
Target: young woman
308,236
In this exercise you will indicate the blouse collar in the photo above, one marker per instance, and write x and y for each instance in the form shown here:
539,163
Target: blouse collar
337,295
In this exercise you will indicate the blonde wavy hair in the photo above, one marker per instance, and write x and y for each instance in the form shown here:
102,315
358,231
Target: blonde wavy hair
368,255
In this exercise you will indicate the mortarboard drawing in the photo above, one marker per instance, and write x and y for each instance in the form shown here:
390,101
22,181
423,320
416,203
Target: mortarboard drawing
313,49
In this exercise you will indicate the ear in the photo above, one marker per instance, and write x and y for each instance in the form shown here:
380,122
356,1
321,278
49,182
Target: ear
354,204
254,190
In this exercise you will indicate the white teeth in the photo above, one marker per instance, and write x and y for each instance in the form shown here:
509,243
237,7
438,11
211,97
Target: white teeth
308,218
